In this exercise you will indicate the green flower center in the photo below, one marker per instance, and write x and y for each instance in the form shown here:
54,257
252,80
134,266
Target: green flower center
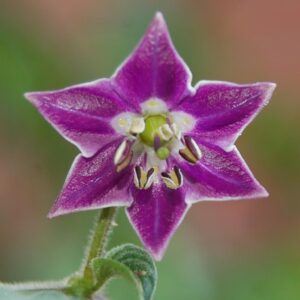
152,125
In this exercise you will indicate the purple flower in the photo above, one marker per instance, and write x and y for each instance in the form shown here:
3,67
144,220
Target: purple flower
152,142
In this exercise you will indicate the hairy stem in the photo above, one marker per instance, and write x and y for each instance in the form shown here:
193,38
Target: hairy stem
99,238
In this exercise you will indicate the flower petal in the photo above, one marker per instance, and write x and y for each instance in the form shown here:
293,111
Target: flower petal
82,113
155,215
224,109
154,69
94,183
219,175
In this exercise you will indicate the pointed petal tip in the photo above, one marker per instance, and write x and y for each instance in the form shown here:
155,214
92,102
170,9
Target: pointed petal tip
260,192
159,16
30,96
50,216
33,98
268,89
159,19
53,213
270,86
263,193
156,253
27,95
158,256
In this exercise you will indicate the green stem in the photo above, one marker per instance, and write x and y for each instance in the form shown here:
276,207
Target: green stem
99,238
82,284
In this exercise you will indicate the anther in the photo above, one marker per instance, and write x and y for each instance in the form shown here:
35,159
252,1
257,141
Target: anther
191,152
176,131
149,178
142,179
120,152
165,132
124,163
123,155
174,179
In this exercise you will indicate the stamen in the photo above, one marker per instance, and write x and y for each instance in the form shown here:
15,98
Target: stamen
137,176
187,155
176,131
191,152
120,152
174,179
193,146
123,164
178,175
150,178
123,155
142,179
165,132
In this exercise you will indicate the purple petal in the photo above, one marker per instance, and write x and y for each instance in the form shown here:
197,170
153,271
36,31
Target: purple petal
224,109
82,113
93,183
154,69
219,175
155,214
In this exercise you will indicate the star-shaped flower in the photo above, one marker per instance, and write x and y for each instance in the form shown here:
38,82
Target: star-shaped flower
152,142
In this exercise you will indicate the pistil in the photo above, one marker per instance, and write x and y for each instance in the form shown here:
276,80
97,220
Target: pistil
153,123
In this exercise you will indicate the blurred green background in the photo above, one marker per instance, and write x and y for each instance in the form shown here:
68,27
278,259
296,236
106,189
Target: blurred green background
223,251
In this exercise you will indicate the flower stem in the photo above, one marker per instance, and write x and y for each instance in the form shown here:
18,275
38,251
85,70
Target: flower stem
82,284
99,238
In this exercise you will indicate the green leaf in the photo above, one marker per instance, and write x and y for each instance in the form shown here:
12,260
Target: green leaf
130,262
23,292
106,269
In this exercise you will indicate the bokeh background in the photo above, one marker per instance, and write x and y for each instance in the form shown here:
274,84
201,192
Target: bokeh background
235,250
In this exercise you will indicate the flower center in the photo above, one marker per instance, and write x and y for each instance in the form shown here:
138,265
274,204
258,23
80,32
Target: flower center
152,125
154,135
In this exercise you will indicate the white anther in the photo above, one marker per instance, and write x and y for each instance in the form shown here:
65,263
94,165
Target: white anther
179,176
173,179
150,180
119,152
191,152
165,132
142,179
170,183
136,178
176,131
196,150
137,125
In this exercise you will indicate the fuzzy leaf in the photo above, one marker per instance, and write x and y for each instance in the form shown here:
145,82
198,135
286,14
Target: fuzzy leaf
106,269
130,262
